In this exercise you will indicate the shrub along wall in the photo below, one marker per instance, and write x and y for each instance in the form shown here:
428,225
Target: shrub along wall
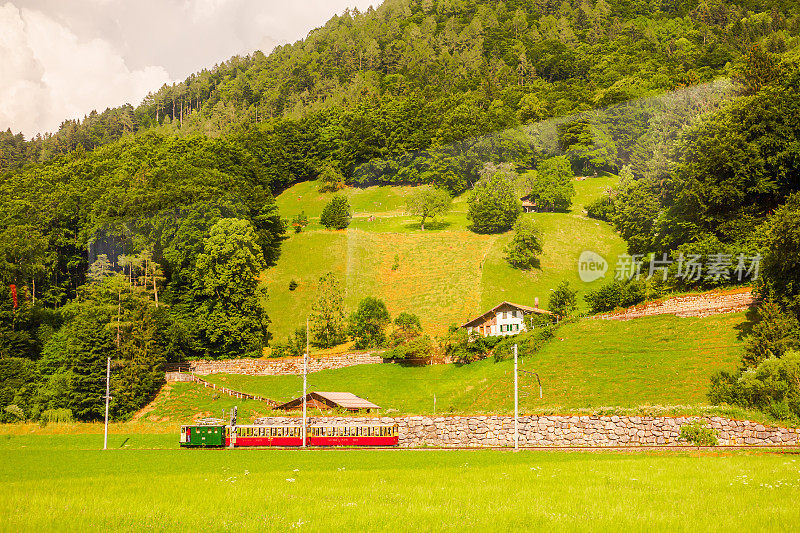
562,431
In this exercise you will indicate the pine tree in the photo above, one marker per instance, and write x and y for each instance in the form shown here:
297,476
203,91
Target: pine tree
336,213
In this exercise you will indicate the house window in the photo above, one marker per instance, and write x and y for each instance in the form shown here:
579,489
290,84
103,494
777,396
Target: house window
504,315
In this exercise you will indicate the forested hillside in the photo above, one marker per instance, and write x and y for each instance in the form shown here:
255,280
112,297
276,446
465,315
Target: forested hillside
412,73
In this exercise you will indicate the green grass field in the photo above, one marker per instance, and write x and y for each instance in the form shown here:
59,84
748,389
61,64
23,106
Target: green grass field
54,486
445,274
591,364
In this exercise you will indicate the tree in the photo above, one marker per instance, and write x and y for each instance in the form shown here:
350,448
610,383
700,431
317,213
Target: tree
779,237
563,300
299,222
331,179
406,327
531,109
231,314
757,69
368,323
775,333
524,248
428,202
336,213
493,205
100,269
552,189
327,313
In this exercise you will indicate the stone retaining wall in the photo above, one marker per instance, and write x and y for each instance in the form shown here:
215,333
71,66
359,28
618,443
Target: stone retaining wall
693,305
561,431
281,367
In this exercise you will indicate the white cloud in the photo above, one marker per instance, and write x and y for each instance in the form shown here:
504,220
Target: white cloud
49,74
61,59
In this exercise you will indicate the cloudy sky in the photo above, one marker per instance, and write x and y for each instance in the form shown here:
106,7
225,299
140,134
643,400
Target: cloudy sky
62,58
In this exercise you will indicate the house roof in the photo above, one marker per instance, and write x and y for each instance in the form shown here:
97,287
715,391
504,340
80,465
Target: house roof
346,400
523,308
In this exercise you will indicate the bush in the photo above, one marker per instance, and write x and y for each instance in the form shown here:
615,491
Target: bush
615,294
698,434
771,387
56,416
336,213
292,285
527,343
418,350
15,411
601,209
463,348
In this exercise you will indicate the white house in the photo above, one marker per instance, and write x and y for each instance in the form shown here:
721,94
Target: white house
504,319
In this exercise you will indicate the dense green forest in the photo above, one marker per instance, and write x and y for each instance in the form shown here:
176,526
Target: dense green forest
138,232
413,73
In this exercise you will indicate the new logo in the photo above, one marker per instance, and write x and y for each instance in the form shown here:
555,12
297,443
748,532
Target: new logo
591,266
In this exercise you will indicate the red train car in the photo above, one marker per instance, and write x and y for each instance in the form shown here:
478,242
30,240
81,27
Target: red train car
290,436
353,435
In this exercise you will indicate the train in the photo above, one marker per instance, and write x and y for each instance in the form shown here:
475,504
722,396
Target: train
236,436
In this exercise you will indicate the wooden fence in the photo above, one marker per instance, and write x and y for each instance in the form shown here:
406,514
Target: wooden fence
183,376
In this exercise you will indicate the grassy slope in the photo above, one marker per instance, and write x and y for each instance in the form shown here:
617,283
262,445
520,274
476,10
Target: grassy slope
661,360
393,490
187,401
446,274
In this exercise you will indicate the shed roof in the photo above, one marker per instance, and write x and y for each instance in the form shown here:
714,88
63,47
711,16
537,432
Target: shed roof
346,400
523,308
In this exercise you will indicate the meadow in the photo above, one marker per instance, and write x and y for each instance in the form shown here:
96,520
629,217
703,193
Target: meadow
661,360
445,274
54,486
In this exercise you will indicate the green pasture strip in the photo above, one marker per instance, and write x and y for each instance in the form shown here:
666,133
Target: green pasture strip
661,360
396,490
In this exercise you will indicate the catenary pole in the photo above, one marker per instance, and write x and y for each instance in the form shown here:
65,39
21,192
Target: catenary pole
108,398
305,381
516,403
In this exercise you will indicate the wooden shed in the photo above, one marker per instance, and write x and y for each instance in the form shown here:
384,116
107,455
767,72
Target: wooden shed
330,400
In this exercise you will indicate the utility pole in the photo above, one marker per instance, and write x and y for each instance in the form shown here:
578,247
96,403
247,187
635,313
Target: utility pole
305,383
516,403
108,399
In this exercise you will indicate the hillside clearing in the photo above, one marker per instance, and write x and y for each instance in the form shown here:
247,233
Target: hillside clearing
445,274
